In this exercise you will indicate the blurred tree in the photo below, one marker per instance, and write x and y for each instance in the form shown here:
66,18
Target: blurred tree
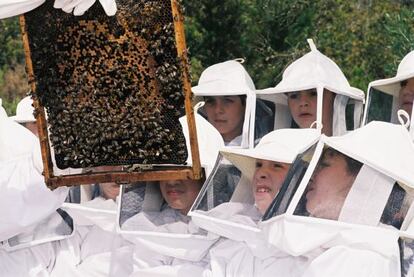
13,80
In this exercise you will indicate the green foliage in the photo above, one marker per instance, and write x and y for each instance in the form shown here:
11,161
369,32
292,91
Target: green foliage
367,39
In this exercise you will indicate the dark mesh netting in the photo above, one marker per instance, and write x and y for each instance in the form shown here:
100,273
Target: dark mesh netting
219,187
132,200
407,256
112,86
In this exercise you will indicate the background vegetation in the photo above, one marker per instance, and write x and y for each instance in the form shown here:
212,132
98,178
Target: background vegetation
366,38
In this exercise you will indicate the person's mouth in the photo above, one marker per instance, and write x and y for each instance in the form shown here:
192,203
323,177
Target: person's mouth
263,189
174,192
305,115
220,120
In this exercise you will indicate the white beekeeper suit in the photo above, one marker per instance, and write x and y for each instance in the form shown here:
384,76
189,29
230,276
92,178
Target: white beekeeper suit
9,8
316,71
230,79
165,240
383,95
22,204
360,237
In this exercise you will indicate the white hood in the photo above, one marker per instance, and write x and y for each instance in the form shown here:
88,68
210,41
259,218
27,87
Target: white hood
23,189
231,79
316,71
391,86
405,71
175,239
382,148
237,219
24,111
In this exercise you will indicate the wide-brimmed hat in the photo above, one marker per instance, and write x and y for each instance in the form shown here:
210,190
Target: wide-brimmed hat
392,85
314,70
226,78
282,146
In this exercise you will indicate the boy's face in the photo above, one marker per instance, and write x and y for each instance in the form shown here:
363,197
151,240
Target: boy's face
267,180
406,96
303,105
180,194
226,114
328,187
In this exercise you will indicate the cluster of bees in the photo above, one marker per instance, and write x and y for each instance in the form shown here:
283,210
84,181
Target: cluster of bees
112,86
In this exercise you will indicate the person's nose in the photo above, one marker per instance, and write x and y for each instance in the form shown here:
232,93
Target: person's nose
304,99
219,107
262,173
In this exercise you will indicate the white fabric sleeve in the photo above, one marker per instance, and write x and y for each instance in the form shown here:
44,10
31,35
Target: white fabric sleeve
9,8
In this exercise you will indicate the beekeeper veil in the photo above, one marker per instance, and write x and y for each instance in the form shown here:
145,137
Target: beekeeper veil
227,79
233,210
349,183
384,98
145,218
329,99
22,185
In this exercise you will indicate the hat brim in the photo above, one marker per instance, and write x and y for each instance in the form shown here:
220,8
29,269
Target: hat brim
392,85
21,119
350,92
245,159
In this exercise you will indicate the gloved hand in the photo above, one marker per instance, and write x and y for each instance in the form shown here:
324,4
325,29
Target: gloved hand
79,7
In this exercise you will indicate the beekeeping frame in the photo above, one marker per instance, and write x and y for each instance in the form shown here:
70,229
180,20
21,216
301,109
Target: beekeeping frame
149,173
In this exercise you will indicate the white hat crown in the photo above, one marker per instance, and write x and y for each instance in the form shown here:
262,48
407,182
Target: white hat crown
407,65
24,111
226,78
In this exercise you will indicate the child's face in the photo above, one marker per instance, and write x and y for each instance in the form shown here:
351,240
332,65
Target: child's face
267,180
180,194
328,187
226,114
406,96
108,190
303,105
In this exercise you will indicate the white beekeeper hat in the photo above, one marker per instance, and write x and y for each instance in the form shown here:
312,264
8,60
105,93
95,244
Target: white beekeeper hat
316,71
226,78
229,78
371,201
24,111
392,86
282,146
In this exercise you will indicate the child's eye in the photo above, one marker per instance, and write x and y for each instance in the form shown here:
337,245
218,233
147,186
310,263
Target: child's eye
258,164
313,93
324,164
209,101
293,95
228,100
277,165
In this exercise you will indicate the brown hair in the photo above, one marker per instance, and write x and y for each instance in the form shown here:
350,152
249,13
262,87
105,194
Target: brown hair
353,166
